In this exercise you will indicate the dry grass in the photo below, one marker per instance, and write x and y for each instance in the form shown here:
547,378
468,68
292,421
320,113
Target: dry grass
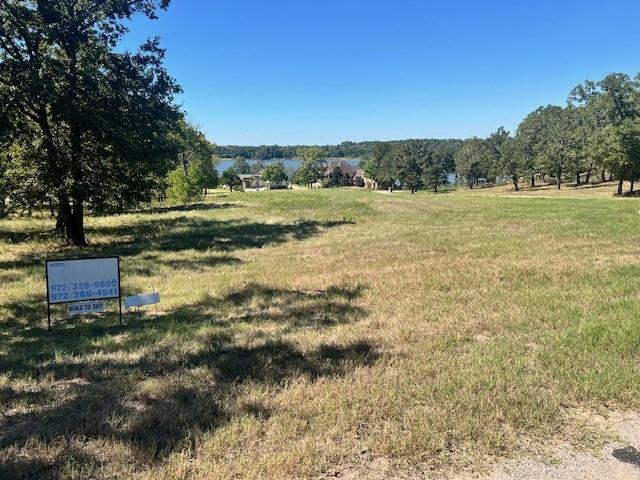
309,329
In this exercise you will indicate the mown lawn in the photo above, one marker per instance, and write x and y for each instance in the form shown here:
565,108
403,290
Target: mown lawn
303,330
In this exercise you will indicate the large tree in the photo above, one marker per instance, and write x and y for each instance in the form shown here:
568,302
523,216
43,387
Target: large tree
610,102
469,160
411,159
619,146
275,173
380,165
312,165
502,157
93,125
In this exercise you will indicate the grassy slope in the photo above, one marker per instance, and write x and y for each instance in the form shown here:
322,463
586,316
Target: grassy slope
301,330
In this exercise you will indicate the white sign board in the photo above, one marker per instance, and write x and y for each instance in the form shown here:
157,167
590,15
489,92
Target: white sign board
142,300
84,279
82,308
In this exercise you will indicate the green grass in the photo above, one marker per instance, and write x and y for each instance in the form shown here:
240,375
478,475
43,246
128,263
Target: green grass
303,330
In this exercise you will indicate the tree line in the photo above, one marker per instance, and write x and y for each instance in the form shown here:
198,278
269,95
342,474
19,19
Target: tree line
412,164
597,134
342,150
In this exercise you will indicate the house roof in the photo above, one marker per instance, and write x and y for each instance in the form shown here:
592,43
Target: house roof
345,167
249,176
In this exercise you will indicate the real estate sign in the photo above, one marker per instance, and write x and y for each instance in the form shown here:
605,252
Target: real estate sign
80,280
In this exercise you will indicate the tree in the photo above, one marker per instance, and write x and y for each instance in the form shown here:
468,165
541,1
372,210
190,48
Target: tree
619,145
503,156
558,145
336,178
96,123
185,187
275,173
202,175
194,145
241,166
230,178
527,145
380,165
257,167
469,160
411,160
197,157
313,165
611,101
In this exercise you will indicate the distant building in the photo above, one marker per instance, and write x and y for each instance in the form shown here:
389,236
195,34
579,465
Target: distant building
251,181
353,174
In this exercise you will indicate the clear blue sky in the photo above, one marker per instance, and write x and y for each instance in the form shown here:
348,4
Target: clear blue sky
323,71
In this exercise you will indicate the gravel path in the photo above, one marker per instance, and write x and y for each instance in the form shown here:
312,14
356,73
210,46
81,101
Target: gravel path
616,461
619,461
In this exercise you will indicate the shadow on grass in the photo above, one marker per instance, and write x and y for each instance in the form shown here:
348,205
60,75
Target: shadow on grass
162,235
21,236
200,207
200,234
155,386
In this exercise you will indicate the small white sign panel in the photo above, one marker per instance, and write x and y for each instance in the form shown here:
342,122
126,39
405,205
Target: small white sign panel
83,308
83,279
142,300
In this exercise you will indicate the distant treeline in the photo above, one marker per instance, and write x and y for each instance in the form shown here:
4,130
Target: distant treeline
596,135
345,149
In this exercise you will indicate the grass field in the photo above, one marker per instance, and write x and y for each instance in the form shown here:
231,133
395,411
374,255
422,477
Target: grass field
304,330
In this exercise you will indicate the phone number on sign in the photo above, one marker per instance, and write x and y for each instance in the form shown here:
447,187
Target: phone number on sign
80,290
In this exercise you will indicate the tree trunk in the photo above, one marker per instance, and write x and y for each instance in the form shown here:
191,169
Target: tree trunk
435,187
619,191
533,180
559,177
610,176
588,177
604,178
631,188
578,179
515,183
70,222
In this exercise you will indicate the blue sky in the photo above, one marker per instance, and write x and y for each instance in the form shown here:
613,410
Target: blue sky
324,71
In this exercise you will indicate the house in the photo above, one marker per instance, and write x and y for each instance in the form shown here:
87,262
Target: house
353,174
251,181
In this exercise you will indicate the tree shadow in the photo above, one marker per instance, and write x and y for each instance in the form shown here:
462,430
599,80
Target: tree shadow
183,233
97,375
188,233
22,236
256,303
199,207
